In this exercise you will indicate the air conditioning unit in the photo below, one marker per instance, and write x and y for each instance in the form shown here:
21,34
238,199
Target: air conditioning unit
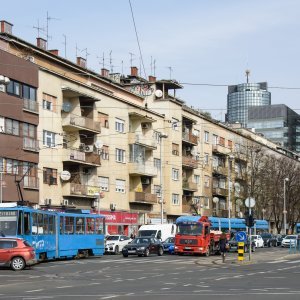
145,126
47,201
89,148
145,180
113,206
65,202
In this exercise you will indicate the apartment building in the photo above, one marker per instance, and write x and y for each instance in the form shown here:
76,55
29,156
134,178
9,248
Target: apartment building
124,146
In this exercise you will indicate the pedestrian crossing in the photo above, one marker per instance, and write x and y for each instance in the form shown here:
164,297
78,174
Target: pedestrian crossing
283,261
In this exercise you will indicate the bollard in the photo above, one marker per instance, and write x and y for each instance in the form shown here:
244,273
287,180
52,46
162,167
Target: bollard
241,248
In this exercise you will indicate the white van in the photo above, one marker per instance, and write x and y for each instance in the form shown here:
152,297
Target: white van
159,231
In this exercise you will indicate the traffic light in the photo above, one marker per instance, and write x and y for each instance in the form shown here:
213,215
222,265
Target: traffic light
250,221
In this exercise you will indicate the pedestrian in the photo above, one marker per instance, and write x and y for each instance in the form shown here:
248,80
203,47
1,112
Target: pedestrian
223,245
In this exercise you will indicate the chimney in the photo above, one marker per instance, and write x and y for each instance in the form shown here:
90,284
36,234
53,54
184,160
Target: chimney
152,78
81,62
104,72
5,27
54,51
134,71
41,43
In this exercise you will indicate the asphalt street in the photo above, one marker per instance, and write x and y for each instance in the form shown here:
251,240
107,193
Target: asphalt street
271,274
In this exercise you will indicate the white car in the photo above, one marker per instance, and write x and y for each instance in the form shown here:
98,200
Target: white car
259,242
115,243
289,241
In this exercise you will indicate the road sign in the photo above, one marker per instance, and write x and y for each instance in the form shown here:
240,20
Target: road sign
241,236
250,202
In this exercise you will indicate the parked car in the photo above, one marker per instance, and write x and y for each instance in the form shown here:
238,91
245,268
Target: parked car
289,240
233,245
115,243
279,238
269,240
258,240
16,253
168,243
143,246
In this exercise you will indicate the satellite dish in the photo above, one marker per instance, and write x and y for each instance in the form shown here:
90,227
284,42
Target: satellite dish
66,107
99,144
250,202
158,93
65,175
215,200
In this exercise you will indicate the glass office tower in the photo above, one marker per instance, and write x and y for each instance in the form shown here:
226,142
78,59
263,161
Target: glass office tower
241,96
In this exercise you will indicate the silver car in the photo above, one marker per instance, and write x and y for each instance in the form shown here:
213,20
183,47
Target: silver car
289,241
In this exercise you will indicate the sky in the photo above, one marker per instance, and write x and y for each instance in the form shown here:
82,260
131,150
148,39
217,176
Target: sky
207,44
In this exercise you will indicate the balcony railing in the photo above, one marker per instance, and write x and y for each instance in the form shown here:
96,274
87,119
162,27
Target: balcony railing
80,156
30,144
82,122
142,169
83,190
187,136
220,170
31,182
143,139
187,185
190,161
220,191
31,105
143,197
220,149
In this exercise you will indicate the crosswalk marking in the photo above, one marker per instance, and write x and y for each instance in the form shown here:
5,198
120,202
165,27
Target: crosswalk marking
277,261
293,262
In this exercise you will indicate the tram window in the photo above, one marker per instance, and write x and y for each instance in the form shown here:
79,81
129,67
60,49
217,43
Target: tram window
27,223
20,230
80,225
69,225
34,223
90,225
61,225
51,224
99,226
46,224
40,224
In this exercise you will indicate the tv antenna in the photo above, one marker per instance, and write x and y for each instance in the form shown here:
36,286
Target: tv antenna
110,62
47,28
154,67
171,70
77,49
131,58
65,44
38,28
86,54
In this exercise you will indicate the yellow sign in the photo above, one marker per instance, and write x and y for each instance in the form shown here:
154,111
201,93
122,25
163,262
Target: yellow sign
241,248
92,190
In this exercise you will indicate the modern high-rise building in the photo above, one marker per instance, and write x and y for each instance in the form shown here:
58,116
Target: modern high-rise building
241,96
277,123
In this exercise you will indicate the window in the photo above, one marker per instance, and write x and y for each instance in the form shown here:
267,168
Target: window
175,199
206,136
156,136
175,149
215,140
206,202
48,138
229,144
11,127
120,186
175,174
197,179
29,92
206,181
157,190
104,183
105,153
222,141
49,102
206,158
50,176
175,124
120,125
120,155
29,130
103,119
14,88
157,164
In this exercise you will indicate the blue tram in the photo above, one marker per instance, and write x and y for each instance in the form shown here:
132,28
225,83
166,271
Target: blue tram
55,234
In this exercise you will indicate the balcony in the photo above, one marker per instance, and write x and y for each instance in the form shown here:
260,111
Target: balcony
80,190
190,162
71,122
220,149
220,170
139,169
77,156
145,140
141,197
31,105
190,138
30,144
190,186
220,192
30,182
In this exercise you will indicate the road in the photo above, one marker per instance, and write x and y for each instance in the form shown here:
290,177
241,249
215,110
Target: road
273,276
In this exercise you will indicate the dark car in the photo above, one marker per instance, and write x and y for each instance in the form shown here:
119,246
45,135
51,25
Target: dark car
168,243
16,253
143,246
279,238
233,245
269,240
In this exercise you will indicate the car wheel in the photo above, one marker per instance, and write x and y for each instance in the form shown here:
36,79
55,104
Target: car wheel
207,252
125,255
160,251
17,264
147,252
117,251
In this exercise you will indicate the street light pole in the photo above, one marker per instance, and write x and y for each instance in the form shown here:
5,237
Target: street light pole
284,205
161,137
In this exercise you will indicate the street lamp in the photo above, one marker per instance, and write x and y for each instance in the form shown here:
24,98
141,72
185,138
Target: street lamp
284,205
161,136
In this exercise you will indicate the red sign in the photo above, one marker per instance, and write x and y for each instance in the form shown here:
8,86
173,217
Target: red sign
119,217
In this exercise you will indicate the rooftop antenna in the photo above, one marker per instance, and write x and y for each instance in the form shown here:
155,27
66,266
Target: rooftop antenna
247,75
154,67
170,69
39,28
86,54
65,43
47,28
131,58
110,62
151,64
140,67
77,49
122,63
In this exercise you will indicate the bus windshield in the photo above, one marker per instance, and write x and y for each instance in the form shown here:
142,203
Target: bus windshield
189,229
8,222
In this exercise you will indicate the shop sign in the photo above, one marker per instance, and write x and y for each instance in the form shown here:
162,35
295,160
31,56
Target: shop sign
120,217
